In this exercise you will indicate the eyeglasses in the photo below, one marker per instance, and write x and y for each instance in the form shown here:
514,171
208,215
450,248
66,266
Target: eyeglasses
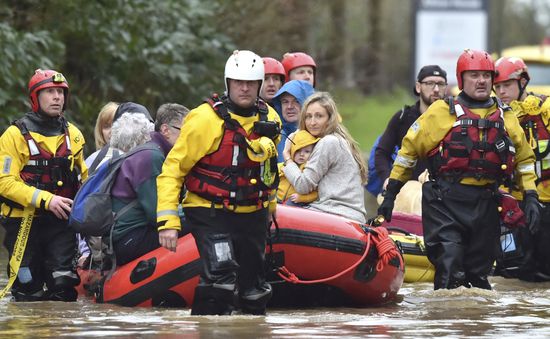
176,127
432,84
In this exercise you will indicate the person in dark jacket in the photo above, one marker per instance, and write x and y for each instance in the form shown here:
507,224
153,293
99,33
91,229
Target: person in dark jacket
431,85
135,232
107,152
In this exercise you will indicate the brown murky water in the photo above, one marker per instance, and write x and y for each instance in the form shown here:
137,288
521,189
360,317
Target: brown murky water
514,309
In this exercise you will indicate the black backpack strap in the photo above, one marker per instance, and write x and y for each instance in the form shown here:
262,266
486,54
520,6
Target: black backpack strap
100,156
451,101
501,104
218,105
19,123
402,113
125,209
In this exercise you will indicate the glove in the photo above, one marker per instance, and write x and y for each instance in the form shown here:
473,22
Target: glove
389,194
532,210
511,215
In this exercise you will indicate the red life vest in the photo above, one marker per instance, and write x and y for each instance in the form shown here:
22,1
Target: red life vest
538,136
49,172
474,147
227,176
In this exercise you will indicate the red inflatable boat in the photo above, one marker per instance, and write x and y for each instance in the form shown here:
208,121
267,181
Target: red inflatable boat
411,223
315,259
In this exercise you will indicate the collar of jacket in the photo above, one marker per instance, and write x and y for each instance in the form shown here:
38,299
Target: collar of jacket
158,139
469,102
43,124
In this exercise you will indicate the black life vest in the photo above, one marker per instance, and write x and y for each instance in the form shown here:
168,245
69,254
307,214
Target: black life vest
538,137
53,173
227,176
474,147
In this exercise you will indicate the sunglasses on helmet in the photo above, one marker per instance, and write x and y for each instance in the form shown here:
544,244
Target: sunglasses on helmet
58,78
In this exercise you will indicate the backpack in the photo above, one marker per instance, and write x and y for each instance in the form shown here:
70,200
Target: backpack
92,213
374,182
100,156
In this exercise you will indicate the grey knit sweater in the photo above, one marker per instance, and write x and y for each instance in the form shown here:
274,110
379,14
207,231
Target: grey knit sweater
332,171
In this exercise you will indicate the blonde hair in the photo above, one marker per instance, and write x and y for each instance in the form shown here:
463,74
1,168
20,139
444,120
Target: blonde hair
334,126
104,119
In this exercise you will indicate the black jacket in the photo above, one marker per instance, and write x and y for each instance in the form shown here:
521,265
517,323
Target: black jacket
393,135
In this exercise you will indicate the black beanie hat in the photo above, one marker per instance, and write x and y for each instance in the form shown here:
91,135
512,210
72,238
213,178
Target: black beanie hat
131,107
428,71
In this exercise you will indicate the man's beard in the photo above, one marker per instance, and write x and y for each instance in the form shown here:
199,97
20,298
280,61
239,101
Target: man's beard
428,100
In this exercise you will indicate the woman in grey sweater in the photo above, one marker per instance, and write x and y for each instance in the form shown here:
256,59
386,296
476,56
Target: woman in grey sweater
336,168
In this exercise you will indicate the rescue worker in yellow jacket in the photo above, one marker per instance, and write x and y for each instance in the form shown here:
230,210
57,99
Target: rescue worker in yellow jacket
227,160
42,164
532,262
473,143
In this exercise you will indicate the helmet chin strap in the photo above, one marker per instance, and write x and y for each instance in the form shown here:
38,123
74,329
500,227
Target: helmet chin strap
521,88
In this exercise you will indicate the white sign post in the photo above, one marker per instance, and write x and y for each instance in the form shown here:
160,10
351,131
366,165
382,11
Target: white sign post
444,28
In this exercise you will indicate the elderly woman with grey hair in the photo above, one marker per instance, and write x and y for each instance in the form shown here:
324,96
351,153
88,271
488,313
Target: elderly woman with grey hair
130,130
127,132
106,152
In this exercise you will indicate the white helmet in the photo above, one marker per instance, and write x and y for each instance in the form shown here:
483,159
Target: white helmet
244,65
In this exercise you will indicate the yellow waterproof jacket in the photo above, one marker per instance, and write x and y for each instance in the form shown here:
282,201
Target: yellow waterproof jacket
201,135
285,189
534,105
14,155
431,127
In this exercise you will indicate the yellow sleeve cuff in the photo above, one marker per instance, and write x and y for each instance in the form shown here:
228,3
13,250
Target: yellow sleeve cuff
169,227
44,199
168,220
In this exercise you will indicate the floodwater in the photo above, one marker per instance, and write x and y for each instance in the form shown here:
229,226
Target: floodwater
514,309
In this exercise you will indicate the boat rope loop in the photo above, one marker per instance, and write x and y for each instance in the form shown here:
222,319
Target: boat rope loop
290,277
384,245
386,248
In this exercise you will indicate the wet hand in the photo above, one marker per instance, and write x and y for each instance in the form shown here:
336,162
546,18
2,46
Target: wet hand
60,206
168,239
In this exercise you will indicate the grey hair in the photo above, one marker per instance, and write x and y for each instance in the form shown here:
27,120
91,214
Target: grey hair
130,130
169,113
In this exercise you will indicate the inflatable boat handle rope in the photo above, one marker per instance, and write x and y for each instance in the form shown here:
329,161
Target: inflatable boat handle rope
384,245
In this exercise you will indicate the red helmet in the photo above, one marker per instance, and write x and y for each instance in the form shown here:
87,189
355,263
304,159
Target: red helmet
471,60
273,66
45,79
294,60
507,68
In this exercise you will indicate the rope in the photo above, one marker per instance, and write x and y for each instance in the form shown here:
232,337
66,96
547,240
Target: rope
290,277
386,249
19,247
384,245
